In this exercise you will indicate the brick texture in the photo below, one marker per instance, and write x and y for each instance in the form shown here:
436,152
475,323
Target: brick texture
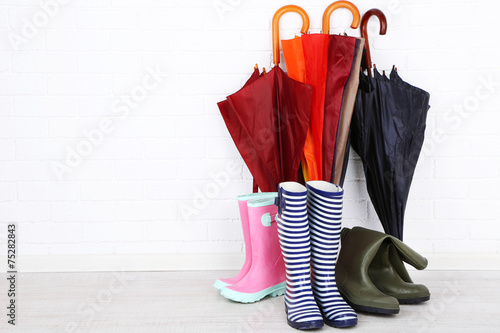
111,141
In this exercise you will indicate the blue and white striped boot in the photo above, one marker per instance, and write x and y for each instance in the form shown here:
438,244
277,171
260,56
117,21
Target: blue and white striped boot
293,230
324,206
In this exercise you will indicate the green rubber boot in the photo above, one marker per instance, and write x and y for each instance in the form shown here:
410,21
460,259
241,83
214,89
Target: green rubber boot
356,253
374,278
389,274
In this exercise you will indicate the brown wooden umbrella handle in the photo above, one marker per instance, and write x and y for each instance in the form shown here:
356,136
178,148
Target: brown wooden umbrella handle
364,33
276,28
336,5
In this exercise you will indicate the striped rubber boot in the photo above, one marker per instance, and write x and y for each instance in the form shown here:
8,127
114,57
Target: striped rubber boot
324,206
293,230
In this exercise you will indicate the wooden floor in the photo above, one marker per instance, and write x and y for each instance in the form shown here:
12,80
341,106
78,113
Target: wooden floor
461,301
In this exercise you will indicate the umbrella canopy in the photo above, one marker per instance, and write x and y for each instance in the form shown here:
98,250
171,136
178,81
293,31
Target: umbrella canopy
387,131
316,61
325,62
275,111
293,51
306,60
268,120
242,139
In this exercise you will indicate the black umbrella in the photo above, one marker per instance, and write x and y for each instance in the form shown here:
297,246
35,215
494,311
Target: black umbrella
387,132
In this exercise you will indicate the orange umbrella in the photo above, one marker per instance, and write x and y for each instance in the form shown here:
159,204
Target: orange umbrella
293,52
306,60
292,48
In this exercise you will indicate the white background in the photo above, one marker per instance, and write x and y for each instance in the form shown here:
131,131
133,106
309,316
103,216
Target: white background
130,193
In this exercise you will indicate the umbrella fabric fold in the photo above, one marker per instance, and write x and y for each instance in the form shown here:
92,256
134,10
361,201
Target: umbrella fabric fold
387,132
272,116
243,143
316,49
293,52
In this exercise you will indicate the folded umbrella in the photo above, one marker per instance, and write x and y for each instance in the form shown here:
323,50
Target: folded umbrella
243,142
316,62
269,117
306,59
387,132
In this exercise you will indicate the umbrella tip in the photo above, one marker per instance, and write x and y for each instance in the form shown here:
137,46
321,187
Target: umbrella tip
256,66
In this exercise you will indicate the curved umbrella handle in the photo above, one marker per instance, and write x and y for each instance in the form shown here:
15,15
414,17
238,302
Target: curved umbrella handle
364,33
276,28
336,5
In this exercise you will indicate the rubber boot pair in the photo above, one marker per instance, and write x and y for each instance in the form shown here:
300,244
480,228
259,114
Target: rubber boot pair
263,273
309,223
371,275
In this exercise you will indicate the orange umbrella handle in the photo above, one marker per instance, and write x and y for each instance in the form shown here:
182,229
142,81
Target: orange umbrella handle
364,33
276,28
336,5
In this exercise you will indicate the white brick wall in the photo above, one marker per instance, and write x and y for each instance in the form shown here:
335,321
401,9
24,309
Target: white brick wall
164,179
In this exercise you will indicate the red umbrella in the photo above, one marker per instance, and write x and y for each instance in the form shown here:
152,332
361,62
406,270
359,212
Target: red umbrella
268,119
341,62
242,139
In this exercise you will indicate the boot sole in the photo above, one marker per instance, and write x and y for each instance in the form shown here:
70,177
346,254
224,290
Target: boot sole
415,300
240,297
219,285
370,309
341,323
309,325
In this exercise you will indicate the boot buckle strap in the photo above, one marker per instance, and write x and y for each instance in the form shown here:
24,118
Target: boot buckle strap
267,219
280,202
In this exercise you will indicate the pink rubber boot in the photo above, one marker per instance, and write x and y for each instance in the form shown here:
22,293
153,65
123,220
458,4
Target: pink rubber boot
242,202
267,273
